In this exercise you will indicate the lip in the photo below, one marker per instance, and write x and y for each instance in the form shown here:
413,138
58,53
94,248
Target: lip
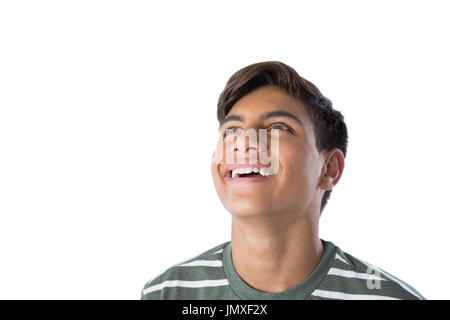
254,179
247,164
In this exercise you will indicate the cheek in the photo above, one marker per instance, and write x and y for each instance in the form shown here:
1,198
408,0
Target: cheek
217,178
221,152
296,170
215,168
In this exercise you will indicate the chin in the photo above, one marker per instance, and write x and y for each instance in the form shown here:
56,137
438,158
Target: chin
246,208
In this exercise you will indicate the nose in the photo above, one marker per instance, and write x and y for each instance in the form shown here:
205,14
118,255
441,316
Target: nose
255,143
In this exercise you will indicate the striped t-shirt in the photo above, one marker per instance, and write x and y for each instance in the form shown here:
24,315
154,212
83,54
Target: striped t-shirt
211,275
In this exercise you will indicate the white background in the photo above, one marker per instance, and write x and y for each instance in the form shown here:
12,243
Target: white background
108,123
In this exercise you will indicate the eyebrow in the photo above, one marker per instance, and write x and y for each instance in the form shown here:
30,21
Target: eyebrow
264,116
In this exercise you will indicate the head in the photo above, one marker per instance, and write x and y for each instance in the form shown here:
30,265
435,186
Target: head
311,145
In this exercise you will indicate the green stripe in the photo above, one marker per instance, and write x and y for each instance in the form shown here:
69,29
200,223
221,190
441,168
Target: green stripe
192,274
361,286
339,264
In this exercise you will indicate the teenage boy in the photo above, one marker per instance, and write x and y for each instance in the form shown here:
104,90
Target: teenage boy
275,251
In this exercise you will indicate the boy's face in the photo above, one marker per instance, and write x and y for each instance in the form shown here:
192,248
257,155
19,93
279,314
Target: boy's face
294,188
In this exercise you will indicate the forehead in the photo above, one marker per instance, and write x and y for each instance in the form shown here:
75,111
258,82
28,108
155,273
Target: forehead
265,99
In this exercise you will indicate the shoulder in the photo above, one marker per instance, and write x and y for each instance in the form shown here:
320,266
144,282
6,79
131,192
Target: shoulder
193,272
353,278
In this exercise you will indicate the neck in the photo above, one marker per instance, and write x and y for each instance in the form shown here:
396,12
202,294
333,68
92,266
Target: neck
274,256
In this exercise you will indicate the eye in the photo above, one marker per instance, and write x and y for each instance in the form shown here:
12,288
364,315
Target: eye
280,125
231,130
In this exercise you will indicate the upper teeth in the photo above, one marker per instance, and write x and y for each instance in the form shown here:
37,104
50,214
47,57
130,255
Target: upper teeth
262,171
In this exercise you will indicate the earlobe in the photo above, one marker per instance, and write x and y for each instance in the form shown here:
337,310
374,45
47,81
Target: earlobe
326,184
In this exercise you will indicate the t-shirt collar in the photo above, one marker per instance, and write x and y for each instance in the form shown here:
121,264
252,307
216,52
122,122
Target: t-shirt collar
300,291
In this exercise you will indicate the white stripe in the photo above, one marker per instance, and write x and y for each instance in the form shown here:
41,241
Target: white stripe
339,257
352,274
218,251
348,296
186,284
392,278
206,263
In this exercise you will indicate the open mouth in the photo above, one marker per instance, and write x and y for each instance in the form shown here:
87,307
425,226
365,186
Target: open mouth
248,173
243,175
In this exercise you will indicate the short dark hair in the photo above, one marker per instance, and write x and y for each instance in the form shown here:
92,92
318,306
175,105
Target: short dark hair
329,125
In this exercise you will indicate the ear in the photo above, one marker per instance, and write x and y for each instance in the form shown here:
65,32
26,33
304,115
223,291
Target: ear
332,169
